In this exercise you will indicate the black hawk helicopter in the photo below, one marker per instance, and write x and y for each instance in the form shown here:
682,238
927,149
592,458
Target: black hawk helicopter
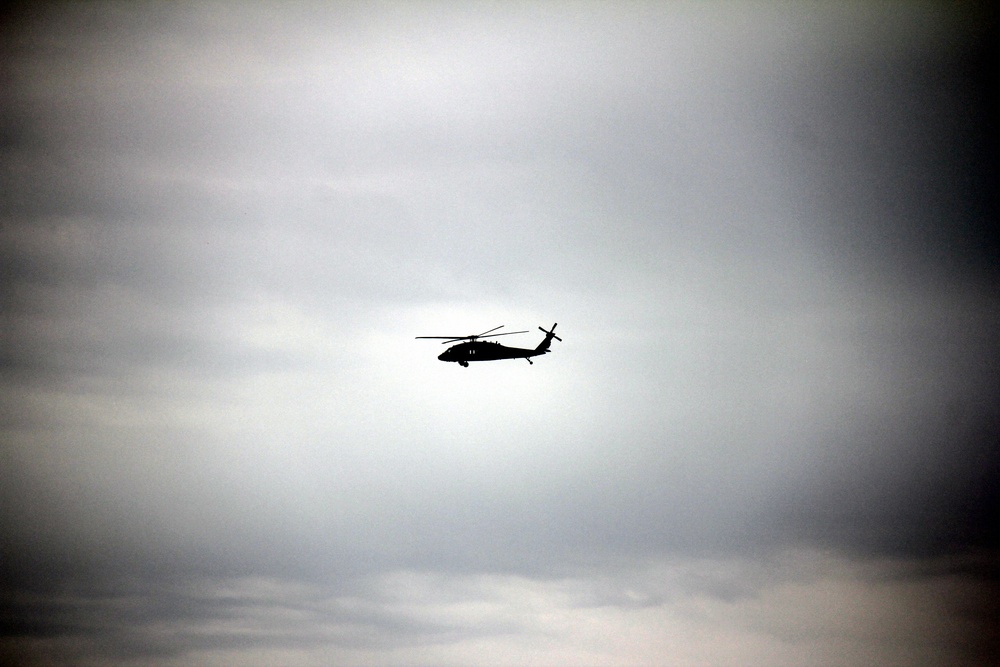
475,350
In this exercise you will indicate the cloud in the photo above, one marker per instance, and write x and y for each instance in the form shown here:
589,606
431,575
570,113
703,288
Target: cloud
794,607
760,230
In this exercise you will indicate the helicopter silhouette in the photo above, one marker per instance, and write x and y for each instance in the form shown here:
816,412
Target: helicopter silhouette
475,350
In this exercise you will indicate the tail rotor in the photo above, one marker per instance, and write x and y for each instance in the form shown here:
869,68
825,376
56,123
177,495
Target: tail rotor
549,333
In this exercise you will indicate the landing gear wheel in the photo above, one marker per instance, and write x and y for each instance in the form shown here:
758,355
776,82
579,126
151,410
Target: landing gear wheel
463,364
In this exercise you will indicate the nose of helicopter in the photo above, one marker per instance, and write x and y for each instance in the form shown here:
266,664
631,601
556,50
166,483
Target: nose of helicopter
443,355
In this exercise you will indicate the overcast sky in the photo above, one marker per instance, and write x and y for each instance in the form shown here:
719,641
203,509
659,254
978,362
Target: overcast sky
767,232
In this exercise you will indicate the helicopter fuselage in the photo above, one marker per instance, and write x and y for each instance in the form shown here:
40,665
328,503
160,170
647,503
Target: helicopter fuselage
478,350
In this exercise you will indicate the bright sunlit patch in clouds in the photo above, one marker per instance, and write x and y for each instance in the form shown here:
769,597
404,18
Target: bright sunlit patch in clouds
504,385
485,425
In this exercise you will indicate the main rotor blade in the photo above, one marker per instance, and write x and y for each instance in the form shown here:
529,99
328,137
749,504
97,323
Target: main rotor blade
486,332
448,337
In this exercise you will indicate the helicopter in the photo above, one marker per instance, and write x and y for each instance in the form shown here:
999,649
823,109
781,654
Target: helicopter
475,350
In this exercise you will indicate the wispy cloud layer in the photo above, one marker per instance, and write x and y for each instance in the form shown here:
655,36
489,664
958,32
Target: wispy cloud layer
804,608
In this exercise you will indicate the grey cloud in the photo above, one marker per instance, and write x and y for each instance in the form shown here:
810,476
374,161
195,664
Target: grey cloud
174,621
126,619
222,228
